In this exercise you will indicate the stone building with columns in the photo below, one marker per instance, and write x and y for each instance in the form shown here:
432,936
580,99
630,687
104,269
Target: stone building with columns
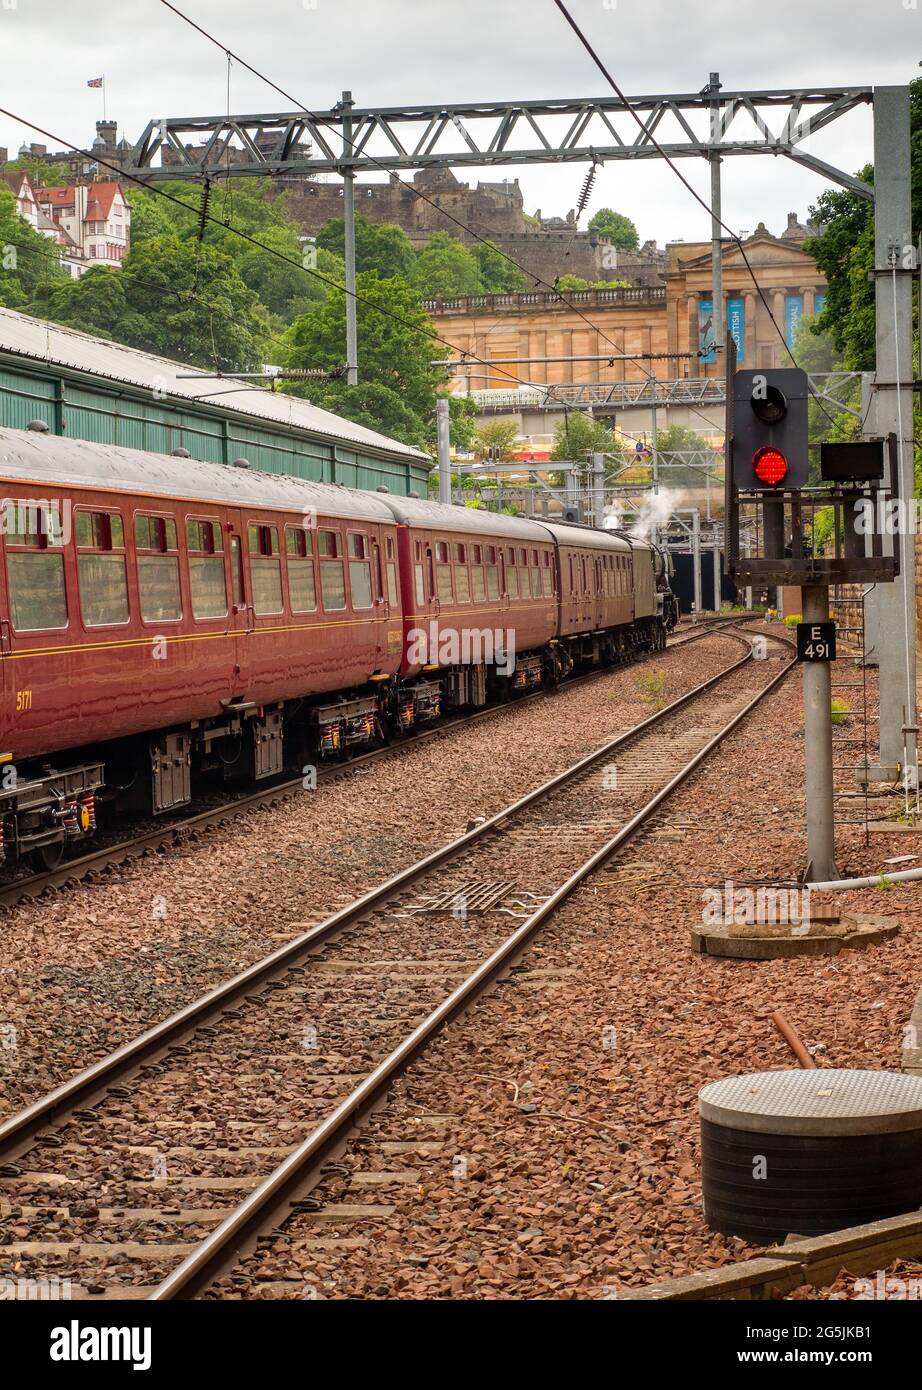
671,322
789,281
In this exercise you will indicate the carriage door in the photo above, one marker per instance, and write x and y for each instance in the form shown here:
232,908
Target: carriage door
240,610
382,607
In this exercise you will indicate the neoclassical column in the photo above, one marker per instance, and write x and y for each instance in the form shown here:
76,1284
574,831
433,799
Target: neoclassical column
750,307
695,366
808,293
779,355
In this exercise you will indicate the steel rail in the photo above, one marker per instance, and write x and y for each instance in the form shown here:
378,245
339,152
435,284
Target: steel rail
73,870
81,1090
301,1168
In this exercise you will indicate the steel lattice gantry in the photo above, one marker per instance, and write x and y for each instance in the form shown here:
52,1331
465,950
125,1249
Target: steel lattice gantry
703,124
692,390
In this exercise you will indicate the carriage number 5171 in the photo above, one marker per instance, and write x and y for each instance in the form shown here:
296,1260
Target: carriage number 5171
23,700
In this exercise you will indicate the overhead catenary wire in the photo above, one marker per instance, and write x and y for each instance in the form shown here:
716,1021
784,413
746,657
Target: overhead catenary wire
418,193
651,137
392,314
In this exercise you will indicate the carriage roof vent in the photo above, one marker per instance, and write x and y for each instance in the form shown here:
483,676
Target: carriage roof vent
413,494
40,426
241,463
381,488
180,453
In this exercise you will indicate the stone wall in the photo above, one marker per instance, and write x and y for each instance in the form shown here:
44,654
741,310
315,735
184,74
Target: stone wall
494,210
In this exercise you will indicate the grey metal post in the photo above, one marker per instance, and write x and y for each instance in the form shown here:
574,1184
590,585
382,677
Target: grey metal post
598,489
442,426
716,577
821,847
352,336
896,608
875,595
696,556
717,283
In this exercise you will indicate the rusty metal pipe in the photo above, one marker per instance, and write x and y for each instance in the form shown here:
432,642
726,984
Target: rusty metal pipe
791,1037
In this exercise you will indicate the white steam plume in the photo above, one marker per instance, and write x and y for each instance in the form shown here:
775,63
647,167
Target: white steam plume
654,510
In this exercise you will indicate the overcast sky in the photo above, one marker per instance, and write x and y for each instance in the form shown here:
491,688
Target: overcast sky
412,51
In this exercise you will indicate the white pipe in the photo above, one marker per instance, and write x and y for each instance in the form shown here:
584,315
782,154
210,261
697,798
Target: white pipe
871,881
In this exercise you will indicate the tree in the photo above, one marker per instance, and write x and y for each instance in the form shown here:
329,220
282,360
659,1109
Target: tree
497,435
578,434
682,439
26,257
498,275
576,282
462,421
380,246
284,287
397,345
445,268
616,228
43,172
278,274
844,252
173,298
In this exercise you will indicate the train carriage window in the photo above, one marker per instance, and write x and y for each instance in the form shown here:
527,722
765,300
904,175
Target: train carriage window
524,581
390,570
359,570
535,575
35,570
158,569
332,572
547,581
101,568
478,588
462,577
265,568
443,572
419,575
492,572
206,568
512,574
302,592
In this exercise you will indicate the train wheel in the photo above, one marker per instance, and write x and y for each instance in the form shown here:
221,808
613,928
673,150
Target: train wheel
47,857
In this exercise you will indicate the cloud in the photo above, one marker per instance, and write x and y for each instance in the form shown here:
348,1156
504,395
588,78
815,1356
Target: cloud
393,52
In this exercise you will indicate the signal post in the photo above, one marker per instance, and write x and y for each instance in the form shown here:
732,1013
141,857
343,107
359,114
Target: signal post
767,482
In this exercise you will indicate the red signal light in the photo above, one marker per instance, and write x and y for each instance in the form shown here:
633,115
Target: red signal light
770,466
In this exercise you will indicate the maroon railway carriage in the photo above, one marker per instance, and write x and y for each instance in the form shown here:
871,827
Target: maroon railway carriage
478,588
183,607
608,593
164,621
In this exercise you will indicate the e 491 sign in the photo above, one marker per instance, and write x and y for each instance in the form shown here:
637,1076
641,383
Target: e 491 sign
816,641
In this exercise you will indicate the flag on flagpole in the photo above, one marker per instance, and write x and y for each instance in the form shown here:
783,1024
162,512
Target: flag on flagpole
95,82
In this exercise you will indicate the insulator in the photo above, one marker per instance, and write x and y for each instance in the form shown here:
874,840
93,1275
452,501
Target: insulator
585,191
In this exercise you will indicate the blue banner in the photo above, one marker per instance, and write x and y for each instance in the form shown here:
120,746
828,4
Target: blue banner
706,331
818,301
793,313
736,326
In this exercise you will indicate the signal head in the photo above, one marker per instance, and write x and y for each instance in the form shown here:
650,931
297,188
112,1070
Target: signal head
770,405
770,466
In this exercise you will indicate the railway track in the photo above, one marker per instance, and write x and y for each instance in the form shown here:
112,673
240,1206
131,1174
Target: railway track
150,1172
29,887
